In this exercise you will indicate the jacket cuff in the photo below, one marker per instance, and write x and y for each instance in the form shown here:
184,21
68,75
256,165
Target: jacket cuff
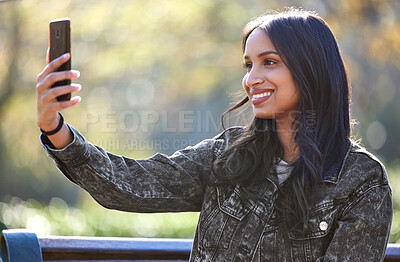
73,153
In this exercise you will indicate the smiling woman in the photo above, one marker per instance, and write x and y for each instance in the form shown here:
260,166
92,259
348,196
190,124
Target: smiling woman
289,186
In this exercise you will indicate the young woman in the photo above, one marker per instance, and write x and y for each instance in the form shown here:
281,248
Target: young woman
290,186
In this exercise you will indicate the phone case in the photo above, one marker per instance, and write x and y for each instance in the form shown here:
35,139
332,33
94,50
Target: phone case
59,44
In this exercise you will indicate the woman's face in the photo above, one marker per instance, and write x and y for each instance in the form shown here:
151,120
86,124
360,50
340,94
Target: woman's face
268,82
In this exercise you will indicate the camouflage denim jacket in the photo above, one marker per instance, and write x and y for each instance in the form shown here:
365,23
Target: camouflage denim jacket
350,217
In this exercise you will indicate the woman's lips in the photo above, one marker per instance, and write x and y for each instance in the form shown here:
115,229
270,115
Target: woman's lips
260,96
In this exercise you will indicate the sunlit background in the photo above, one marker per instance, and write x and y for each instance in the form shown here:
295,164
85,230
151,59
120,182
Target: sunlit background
156,77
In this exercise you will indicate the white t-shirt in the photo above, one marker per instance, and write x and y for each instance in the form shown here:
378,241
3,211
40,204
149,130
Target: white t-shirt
283,170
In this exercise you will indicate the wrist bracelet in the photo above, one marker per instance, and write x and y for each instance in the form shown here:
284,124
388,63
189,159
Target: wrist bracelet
60,125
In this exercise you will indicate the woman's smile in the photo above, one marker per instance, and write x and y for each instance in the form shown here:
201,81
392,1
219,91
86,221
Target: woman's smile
258,96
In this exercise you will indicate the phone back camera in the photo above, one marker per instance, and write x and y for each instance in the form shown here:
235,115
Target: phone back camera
58,34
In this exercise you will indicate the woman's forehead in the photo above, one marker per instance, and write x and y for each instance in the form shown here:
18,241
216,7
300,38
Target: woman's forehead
258,41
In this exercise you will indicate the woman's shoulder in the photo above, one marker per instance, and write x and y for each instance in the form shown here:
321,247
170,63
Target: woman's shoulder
226,137
360,172
362,165
360,151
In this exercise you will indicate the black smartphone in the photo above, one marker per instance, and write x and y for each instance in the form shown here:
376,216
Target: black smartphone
59,44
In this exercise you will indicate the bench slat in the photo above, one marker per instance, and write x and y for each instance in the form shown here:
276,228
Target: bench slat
92,248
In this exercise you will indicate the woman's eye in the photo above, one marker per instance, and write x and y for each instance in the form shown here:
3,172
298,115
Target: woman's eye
247,66
269,62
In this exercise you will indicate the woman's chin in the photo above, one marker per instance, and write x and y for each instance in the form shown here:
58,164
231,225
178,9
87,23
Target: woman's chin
262,114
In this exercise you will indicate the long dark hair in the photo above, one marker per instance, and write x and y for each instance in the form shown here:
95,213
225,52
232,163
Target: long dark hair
309,49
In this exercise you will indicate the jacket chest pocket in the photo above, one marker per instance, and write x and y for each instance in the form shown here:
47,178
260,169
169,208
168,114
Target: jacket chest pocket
312,242
219,228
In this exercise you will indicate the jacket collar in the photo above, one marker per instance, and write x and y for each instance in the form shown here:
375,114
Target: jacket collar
334,173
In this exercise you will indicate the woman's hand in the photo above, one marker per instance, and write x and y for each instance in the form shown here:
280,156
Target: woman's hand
47,103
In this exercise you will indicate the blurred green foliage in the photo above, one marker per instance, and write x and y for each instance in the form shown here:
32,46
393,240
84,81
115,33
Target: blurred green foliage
156,76
57,218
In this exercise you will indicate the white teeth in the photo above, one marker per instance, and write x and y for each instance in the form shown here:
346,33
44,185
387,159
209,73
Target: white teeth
262,95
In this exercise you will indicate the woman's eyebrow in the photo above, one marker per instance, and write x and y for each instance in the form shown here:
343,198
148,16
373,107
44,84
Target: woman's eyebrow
263,54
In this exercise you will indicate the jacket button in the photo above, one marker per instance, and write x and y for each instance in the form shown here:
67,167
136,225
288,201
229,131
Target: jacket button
323,225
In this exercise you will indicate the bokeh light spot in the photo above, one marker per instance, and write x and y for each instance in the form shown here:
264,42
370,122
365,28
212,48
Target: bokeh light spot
140,92
376,135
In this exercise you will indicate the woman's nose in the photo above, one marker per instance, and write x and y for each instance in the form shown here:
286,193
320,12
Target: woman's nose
254,78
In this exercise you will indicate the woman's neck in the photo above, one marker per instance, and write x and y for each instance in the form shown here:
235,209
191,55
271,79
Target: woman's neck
286,135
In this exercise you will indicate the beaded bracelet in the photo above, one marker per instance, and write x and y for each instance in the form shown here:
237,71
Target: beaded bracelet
60,125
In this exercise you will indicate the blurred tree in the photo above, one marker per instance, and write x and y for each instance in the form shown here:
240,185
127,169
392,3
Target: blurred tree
9,84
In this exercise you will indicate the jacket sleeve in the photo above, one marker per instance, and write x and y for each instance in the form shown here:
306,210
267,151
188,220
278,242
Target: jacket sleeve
158,184
364,227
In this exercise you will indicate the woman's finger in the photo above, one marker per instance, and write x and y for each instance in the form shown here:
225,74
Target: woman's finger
60,105
54,77
52,66
60,90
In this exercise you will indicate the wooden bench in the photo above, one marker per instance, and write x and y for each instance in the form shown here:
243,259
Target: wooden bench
23,246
